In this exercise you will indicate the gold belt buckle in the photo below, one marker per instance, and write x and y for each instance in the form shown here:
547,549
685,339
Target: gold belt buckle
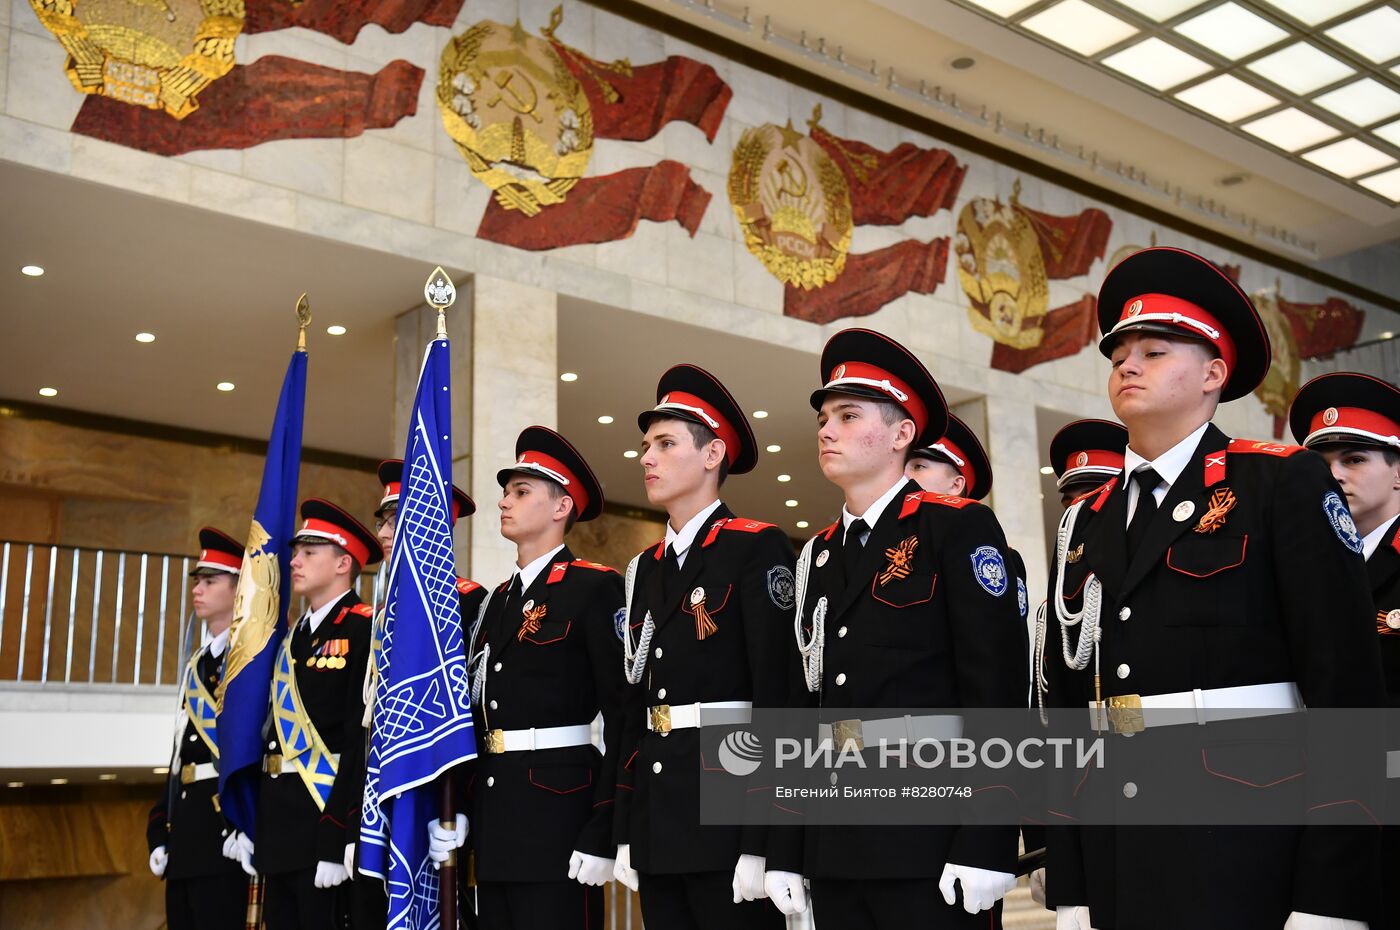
495,741
187,773
272,765
1125,714
848,733
661,719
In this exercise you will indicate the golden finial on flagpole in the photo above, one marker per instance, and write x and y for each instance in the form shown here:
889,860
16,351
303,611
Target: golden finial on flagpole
440,293
303,321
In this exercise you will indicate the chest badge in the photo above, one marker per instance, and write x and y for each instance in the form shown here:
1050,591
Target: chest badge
532,615
1222,501
1388,621
901,561
704,623
1075,554
822,557
1182,511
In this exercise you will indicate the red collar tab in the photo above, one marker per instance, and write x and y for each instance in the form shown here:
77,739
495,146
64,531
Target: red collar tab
1179,314
660,550
1353,421
465,586
694,405
556,572
547,466
328,531
1102,492
827,533
1264,448
863,374
1215,468
1395,542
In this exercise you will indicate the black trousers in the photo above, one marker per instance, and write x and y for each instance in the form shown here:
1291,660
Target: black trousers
207,902
565,905
702,901
369,903
291,901
893,904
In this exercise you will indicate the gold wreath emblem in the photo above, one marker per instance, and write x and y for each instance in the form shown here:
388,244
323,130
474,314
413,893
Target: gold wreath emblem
517,114
1002,271
157,54
1281,381
256,603
901,561
792,203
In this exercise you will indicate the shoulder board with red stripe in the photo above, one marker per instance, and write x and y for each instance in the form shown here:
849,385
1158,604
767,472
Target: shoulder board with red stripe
827,533
1100,493
913,502
596,566
363,610
1264,448
734,523
466,586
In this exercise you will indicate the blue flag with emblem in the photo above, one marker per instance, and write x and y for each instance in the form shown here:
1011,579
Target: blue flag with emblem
259,608
422,722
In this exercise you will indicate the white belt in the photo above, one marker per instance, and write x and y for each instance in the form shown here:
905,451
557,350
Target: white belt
192,772
1132,713
863,733
579,734
663,718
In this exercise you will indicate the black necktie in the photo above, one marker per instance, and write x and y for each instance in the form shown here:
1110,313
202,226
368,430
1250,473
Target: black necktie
670,572
512,593
853,546
1147,481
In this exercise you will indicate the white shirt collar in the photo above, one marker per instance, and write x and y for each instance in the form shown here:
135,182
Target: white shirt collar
680,542
1372,540
217,645
873,512
530,572
316,616
1170,464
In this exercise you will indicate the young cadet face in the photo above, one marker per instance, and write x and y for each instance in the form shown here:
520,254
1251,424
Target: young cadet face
1372,486
853,440
528,509
672,464
384,527
935,477
213,594
1158,377
316,567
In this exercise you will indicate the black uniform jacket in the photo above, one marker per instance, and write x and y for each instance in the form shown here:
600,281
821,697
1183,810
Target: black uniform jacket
1247,575
531,809
738,574
1383,571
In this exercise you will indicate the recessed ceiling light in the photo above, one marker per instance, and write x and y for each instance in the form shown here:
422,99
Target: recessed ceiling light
774,447
1375,35
785,478
790,502
225,386
1362,102
1156,63
1227,98
963,63
630,454
48,392
1387,335
605,419
1232,180
14,784
1290,129
568,376
1162,9
802,524
1003,7
760,414
1079,27
1231,31
1349,158
1389,132
1313,12
335,329
1387,184
1047,470
145,337
107,776
161,770
1301,68
32,271
58,781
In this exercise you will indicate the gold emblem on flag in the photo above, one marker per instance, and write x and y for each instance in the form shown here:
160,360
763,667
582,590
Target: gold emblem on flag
256,602
516,112
147,53
1222,501
901,561
793,204
1002,271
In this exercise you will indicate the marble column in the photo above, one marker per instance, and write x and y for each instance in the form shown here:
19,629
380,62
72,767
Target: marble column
1011,443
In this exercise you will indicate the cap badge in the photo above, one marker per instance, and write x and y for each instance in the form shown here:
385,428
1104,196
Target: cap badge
838,372
1182,512
1134,308
1329,416
1081,460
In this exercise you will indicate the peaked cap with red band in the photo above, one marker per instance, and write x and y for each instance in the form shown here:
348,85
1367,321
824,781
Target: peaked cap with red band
1179,293
540,452
324,522
1088,451
218,552
690,393
961,449
864,363
391,477
1346,407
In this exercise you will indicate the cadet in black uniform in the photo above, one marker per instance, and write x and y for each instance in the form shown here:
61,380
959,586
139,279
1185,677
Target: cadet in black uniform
1192,617
186,832
546,659
369,901
711,613
1353,420
907,603
313,772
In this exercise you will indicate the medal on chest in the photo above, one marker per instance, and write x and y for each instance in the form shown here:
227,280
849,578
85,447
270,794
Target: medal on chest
531,617
901,560
704,623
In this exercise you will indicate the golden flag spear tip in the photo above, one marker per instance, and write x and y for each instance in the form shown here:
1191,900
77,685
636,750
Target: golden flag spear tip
303,311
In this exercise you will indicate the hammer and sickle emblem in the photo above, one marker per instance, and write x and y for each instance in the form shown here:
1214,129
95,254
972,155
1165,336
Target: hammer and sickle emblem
794,179
517,93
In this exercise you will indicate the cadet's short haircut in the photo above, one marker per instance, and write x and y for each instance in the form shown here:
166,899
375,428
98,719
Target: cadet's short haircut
703,436
354,565
556,491
1389,453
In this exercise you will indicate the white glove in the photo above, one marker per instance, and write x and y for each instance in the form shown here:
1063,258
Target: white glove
1072,917
590,870
748,879
442,840
622,867
231,845
244,848
158,861
1300,921
786,891
330,874
349,860
1038,887
981,888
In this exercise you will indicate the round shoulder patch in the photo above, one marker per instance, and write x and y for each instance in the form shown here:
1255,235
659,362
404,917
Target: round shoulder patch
1340,518
620,622
1023,602
989,569
781,588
